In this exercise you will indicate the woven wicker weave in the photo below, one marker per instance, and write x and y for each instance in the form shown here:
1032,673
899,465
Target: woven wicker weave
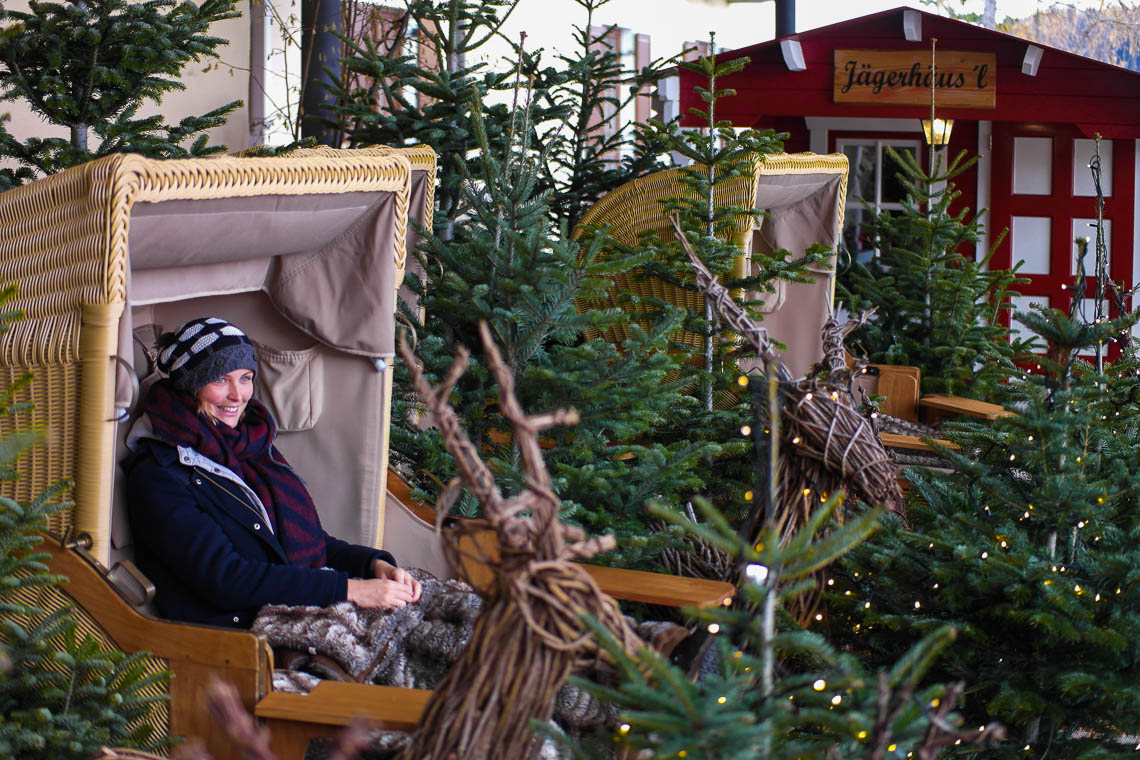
52,598
635,209
63,242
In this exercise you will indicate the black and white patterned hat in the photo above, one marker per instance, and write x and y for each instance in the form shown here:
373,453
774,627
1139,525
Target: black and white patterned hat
201,351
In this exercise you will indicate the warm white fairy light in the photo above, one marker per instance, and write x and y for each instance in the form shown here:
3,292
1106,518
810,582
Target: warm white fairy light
819,684
721,700
742,381
985,555
745,430
714,628
756,572
836,699
624,728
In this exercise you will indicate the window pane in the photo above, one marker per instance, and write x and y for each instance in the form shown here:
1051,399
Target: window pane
893,190
861,172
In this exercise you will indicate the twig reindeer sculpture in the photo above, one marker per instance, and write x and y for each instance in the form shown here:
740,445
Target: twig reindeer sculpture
818,443
530,635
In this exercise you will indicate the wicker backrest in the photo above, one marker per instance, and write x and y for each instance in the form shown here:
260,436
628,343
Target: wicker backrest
804,194
65,242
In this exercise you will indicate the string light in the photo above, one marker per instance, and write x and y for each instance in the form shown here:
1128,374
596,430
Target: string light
714,628
819,684
917,605
756,572
796,440
830,581
624,728
721,700
935,702
742,381
808,397
748,496
836,699
861,735
892,748
985,555
745,431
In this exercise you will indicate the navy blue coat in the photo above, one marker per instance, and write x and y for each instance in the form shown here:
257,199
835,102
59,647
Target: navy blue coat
203,543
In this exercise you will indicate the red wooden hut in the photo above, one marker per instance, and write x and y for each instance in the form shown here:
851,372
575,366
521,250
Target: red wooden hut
1031,112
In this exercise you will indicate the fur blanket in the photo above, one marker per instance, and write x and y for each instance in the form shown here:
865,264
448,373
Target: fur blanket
410,647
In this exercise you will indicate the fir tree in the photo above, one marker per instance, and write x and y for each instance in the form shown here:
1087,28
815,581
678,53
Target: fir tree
1028,547
62,696
510,266
89,65
437,106
938,308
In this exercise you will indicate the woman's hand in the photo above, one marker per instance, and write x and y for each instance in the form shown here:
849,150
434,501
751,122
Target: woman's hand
387,571
380,592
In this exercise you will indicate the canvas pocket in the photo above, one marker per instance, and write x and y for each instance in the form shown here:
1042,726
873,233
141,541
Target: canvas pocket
291,385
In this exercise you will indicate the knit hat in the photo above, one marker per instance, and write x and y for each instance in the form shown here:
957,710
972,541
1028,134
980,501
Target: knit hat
201,351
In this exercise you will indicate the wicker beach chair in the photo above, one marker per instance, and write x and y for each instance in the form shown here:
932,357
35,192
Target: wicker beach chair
804,194
306,253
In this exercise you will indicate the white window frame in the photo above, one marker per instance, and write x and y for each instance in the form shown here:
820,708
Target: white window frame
855,202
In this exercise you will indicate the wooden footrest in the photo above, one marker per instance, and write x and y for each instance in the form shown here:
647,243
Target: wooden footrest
294,720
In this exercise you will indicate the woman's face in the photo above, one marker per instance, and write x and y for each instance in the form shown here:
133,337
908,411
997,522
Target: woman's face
225,399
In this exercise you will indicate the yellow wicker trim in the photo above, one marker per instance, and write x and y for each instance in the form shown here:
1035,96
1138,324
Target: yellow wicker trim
422,158
52,598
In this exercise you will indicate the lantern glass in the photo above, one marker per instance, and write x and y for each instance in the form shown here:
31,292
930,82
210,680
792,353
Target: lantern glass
937,131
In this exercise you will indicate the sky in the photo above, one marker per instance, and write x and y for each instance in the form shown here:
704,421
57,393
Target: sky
671,23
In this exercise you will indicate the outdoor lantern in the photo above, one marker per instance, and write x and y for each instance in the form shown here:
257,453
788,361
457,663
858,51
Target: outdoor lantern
937,131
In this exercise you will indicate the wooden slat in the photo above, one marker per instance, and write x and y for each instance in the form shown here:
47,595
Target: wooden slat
944,404
335,703
893,441
655,588
294,720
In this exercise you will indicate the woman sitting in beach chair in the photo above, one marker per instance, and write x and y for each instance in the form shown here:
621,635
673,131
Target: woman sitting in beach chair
224,524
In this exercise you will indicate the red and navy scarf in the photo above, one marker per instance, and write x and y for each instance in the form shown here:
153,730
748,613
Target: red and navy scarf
247,451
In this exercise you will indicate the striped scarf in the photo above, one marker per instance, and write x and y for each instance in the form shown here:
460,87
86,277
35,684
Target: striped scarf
246,450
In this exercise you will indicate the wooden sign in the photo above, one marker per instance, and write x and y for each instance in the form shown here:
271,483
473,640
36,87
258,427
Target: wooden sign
964,79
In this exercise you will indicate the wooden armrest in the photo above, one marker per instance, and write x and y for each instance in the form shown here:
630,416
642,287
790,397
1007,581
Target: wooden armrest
655,588
911,443
944,404
195,654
